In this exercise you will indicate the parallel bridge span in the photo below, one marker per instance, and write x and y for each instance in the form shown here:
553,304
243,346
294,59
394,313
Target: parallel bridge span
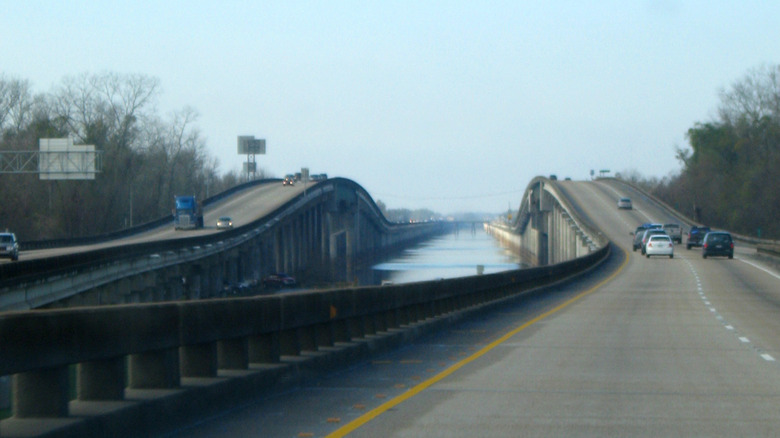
327,229
144,367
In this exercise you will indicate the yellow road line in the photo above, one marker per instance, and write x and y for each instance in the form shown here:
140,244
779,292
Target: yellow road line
384,407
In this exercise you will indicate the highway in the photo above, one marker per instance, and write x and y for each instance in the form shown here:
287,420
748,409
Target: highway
243,207
638,347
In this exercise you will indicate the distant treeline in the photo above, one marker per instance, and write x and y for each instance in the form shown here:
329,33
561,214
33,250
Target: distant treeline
731,174
147,158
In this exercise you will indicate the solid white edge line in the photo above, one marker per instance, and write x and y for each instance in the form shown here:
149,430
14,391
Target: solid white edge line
760,268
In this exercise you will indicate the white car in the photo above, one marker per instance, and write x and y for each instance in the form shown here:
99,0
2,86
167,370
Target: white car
224,223
659,244
624,203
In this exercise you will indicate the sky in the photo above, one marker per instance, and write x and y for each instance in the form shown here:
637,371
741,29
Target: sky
449,105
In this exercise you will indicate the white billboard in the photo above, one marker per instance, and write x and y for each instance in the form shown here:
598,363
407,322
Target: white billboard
59,158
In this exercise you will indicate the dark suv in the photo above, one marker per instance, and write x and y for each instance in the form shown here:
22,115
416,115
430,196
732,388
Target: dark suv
696,235
9,247
717,243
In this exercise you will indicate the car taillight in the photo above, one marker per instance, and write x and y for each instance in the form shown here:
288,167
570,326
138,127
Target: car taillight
704,246
732,245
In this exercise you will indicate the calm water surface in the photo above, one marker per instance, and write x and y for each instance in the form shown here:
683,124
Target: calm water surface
449,256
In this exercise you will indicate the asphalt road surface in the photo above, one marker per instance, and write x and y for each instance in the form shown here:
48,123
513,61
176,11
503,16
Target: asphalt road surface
639,347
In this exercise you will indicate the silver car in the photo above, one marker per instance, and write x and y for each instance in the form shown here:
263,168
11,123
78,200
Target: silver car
624,203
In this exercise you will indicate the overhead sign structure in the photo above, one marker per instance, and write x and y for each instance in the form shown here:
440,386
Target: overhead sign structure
60,159
250,146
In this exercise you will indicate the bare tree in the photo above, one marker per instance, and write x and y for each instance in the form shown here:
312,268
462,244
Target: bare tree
754,97
16,104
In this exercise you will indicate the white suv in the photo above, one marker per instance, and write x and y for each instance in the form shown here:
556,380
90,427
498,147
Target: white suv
9,247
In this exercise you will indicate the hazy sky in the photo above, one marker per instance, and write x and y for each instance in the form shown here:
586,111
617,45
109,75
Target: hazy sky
451,105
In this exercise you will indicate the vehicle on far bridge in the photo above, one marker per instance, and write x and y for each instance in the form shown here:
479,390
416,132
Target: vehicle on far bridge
188,213
695,236
289,180
624,203
278,281
224,223
9,246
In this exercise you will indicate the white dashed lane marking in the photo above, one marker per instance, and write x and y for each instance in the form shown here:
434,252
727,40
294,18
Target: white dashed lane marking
743,339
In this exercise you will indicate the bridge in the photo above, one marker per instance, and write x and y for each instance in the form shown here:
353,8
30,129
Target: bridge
592,341
324,229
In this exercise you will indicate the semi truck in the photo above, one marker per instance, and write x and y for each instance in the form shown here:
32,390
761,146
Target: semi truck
188,213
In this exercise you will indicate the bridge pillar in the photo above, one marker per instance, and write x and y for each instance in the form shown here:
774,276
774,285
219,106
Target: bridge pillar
264,348
154,370
41,393
233,354
199,360
101,380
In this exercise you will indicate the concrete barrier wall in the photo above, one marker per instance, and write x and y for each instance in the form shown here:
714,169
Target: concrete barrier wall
141,366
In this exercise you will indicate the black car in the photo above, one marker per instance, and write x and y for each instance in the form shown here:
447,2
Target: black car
696,236
717,243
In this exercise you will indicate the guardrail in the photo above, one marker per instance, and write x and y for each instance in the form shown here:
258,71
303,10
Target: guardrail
141,368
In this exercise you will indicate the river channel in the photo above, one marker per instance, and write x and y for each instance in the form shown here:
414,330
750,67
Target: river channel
457,254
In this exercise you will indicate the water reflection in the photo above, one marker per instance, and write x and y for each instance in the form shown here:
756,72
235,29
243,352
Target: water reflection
448,256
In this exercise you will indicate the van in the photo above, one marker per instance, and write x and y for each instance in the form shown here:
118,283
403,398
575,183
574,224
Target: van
674,231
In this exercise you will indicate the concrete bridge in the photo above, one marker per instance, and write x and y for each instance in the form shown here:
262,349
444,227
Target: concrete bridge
145,367
547,228
323,231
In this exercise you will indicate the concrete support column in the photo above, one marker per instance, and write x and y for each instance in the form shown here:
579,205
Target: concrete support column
199,360
289,344
233,354
325,334
41,394
278,250
341,331
155,369
101,380
307,338
264,348
356,327
369,326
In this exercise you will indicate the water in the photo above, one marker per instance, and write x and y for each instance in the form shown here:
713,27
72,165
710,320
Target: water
449,256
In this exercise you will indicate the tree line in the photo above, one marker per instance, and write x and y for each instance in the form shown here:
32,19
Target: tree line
730,176
147,158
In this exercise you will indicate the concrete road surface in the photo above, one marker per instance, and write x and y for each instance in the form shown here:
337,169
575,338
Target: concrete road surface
640,347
